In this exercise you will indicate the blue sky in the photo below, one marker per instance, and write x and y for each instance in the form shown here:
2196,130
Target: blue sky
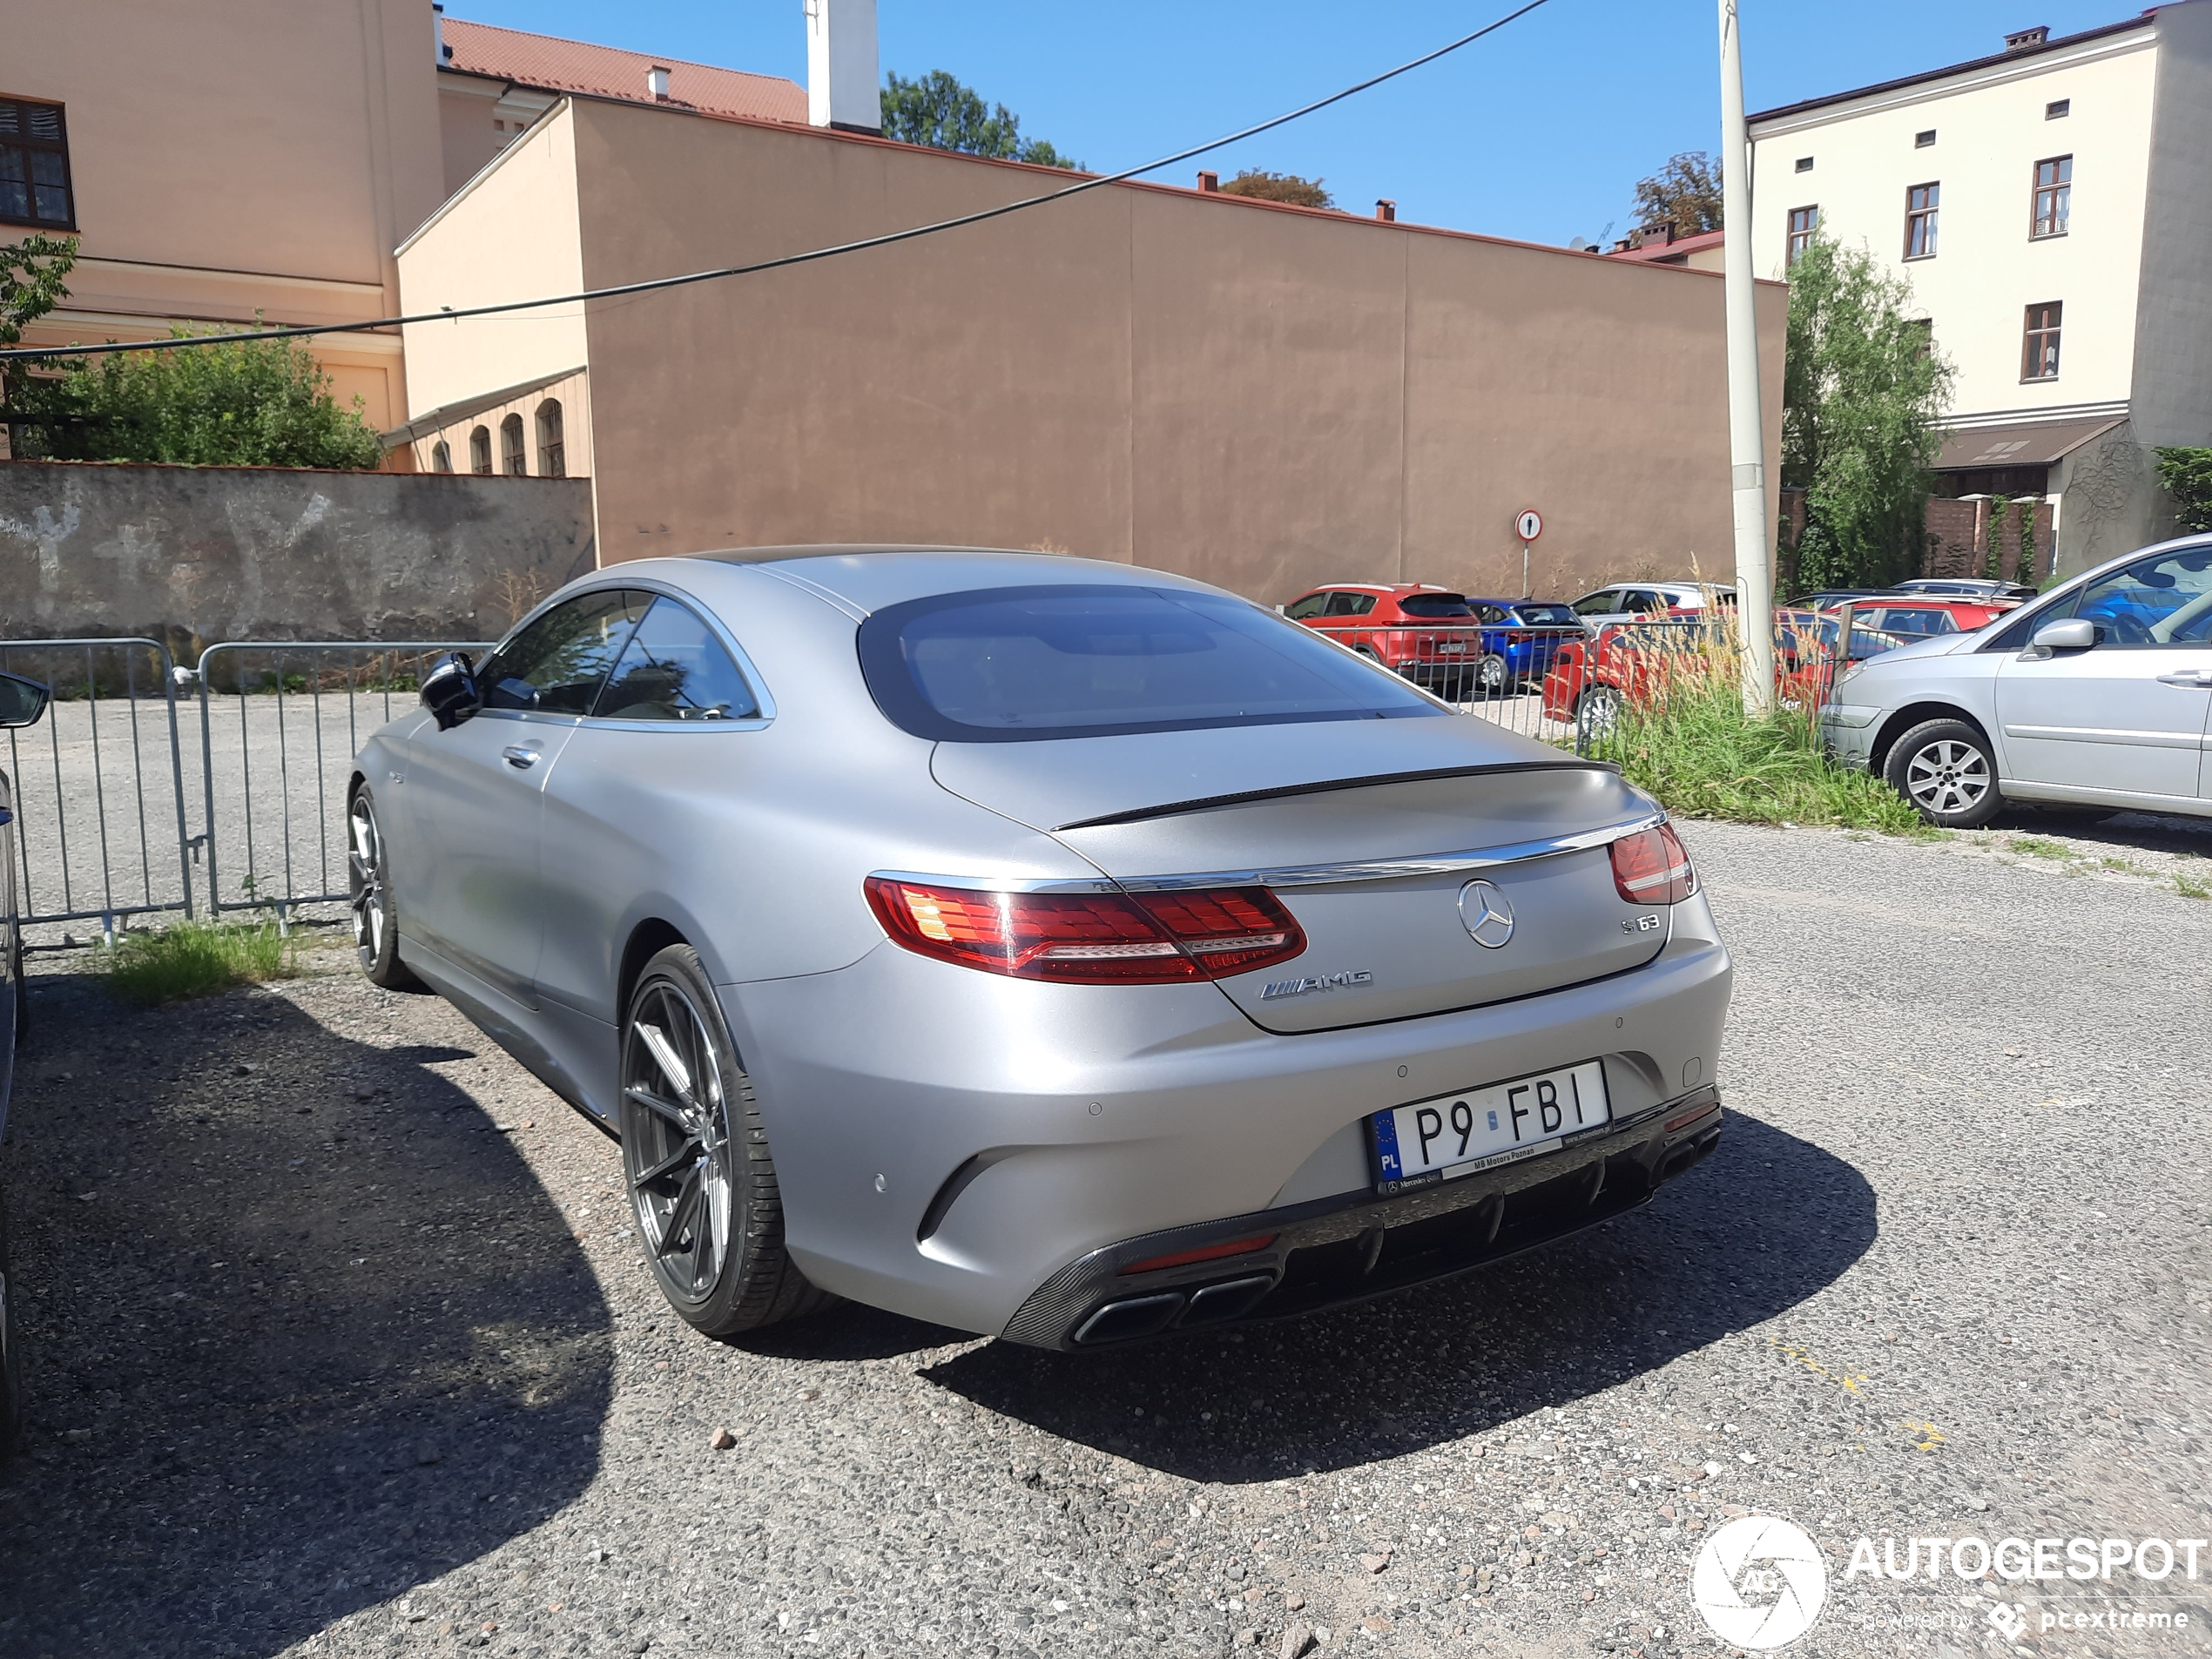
1538,132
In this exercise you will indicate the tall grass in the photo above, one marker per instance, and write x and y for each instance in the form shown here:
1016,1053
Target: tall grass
1686,740
198,959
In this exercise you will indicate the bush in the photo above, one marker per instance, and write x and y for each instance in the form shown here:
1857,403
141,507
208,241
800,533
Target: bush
198,958
243,403
2187,475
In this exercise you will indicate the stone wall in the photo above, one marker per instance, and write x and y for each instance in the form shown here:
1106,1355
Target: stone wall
192,555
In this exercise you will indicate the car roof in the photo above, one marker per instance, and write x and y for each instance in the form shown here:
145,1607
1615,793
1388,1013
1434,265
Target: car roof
867,577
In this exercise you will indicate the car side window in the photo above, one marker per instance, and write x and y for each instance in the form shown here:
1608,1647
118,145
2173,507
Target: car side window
1351,605
1492,614
1311,605
2155,603
555,665
1596,604
1641,601
675,669
1916,621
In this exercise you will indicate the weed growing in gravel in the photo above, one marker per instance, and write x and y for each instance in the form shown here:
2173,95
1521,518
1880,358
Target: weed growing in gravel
198,958
2190,887
1697,751
2036,846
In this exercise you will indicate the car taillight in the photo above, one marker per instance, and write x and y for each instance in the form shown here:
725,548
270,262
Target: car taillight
1652,868
1110,939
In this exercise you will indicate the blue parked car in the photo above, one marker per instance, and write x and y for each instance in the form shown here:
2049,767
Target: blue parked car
22,702
1513,657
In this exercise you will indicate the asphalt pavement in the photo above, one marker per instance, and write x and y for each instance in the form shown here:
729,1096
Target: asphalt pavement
340,1345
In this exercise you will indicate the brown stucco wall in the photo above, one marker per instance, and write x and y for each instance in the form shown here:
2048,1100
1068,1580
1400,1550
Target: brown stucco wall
189,555
1265,397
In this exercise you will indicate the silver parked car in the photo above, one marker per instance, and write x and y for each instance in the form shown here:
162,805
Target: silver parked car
1049,948
2096,696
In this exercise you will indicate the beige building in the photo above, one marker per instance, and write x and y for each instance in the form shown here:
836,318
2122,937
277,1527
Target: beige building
2051,208
1266,396
240,157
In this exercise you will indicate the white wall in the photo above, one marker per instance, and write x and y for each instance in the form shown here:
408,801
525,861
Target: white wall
1991,130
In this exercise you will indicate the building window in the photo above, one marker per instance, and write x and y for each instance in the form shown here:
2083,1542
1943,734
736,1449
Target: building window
480,451
512,461
1804,164
1925,327
2054,196
34,166
2058,109
1920,204
1804,221
552,454
441,456
2039,356
1924,140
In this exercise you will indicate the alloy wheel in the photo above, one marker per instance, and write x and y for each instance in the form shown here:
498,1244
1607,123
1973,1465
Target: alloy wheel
1947,777
676,1140
365,880
1493,673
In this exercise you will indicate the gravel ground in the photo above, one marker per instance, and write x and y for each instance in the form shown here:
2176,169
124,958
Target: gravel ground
351,1353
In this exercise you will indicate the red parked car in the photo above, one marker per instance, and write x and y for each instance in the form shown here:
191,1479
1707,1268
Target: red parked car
1634,663
1408,628
1917,617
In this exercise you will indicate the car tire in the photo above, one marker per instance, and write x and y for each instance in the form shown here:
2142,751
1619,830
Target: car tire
11,1403
1597,712
1944,768
1493,676
695,1159
375,922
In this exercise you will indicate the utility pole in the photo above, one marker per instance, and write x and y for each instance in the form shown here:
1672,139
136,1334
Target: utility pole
1746,429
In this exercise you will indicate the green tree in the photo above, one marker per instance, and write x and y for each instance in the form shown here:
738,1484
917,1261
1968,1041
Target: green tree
943,114
30,285
1280,188
1864,392
2187,475
243,403
1687,190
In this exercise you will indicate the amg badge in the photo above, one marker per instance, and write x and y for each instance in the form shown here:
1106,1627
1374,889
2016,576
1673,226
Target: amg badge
1345,981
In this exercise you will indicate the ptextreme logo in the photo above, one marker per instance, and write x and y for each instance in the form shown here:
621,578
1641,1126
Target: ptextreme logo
1759,1583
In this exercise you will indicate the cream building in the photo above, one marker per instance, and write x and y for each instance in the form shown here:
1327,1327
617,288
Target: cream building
2051,208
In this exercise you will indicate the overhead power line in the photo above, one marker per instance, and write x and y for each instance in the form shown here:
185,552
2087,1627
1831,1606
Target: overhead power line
451,315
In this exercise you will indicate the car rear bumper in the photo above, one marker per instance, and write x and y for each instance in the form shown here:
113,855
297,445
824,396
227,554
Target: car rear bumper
1357,1245
948,1141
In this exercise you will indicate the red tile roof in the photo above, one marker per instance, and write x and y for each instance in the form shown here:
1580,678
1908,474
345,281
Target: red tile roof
1657,253
558,65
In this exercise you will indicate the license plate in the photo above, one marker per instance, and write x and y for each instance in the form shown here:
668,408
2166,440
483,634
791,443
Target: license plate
1449,649
1479,1129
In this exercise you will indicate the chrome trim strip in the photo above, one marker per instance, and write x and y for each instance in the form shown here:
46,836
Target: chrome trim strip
1307,875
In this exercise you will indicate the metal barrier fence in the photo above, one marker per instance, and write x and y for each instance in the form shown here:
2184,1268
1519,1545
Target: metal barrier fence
110,822
1496,670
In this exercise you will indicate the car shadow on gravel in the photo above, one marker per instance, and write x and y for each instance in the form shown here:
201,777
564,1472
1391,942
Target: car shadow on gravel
1764,1224
303,1330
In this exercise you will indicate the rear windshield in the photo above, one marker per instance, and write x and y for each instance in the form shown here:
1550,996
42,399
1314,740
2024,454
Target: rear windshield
1435,604
1006,665
1547,616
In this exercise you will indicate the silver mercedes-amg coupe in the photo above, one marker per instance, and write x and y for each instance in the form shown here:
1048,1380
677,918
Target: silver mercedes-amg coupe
1050,948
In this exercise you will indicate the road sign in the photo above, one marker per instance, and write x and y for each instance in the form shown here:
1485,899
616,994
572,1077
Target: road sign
1529,525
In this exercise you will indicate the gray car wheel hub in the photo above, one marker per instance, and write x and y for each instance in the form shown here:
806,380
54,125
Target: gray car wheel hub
675,1141
1947,776
366,854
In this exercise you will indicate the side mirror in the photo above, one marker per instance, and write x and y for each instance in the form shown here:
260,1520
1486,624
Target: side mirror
449,690
22,701
2075,633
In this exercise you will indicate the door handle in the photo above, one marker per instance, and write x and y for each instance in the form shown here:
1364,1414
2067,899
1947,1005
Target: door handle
519,757
2195,679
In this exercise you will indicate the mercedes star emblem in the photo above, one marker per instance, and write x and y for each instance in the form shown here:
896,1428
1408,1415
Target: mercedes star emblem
1487,913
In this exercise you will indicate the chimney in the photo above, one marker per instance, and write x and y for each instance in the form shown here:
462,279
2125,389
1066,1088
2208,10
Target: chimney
842,75
1209,181
2027,38
438,33
657,83
1386,210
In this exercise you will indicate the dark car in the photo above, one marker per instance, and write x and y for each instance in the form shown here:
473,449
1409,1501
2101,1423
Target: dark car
22,702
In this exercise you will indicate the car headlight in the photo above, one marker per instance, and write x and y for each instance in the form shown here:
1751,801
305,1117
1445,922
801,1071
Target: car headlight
1852,673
